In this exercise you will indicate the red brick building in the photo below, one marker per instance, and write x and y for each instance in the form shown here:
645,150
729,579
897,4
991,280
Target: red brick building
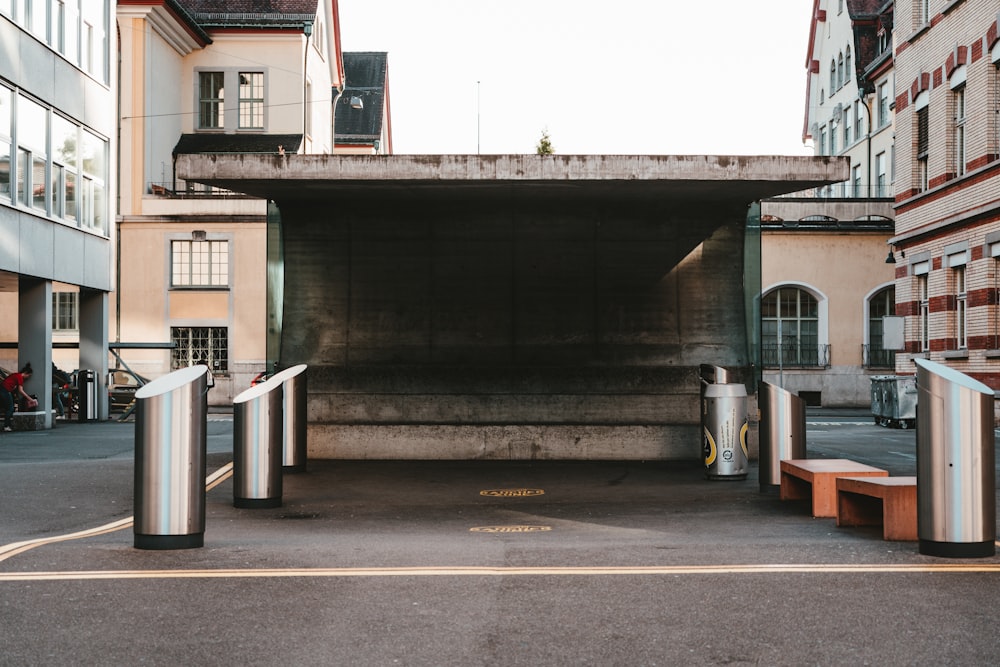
947,240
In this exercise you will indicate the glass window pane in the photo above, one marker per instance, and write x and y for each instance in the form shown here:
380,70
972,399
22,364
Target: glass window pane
4,169
56,190
32,123
93,154
64,141
5,111
70,204
38,191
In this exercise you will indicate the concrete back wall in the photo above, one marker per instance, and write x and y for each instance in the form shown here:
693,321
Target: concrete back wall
561,319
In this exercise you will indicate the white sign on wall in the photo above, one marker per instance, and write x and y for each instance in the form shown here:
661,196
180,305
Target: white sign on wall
892,333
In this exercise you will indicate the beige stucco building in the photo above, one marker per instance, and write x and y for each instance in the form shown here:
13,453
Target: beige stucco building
192,259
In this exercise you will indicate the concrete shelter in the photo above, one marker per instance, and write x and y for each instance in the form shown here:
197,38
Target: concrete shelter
510,306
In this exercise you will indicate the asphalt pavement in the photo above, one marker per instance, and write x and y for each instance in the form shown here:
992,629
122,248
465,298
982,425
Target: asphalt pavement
472,563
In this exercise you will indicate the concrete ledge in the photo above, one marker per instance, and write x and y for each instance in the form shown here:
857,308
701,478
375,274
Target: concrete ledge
505,442
29,421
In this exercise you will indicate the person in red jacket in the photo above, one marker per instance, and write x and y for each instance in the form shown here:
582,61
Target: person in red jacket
13,384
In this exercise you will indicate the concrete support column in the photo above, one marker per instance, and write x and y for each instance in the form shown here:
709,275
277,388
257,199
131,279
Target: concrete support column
94,341
34,339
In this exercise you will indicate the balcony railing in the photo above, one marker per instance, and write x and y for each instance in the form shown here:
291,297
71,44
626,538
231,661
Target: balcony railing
873,356
191,191
795,355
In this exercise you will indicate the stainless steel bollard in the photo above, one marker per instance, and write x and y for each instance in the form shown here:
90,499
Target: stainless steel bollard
170,449
782,431
294,420
724,429
257,446
956,484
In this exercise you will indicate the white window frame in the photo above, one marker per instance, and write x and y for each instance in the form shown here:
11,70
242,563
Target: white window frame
188,272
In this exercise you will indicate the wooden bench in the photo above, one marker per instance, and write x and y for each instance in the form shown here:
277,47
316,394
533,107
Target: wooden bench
870,501
815,480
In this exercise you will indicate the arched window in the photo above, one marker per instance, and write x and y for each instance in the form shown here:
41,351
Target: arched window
847,66
790,329
840,70
833,76
881,304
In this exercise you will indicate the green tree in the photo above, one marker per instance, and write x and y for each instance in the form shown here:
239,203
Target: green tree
544,146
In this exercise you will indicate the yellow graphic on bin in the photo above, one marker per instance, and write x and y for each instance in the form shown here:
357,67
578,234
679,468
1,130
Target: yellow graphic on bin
711,451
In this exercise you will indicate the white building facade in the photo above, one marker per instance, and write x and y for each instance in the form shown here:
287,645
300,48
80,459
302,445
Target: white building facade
57,187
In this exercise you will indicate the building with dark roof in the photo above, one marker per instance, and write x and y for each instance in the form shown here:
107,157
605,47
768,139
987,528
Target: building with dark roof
362,121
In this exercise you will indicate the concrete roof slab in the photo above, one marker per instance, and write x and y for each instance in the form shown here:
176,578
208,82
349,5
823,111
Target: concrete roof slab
709,179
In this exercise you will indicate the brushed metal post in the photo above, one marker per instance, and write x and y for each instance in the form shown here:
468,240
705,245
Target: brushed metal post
782,431
956,484
170,449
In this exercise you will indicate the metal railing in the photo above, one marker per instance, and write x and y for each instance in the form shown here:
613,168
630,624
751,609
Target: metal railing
873,356
795,355
191,191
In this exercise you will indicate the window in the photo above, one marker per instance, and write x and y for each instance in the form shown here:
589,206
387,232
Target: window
790,328
880,170
91,200
65,311
848,77
211,100
856,180
833,77
923,12
840,70
822,140
6,98
64,190
924,313
883,304
847,127
858,128
195,345
922,148
961,311
884,40
252,100
199,263
883,105
32,130
960,131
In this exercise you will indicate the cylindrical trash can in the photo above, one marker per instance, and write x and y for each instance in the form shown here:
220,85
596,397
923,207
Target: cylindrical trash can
170,448
257,446
293,403
86,385
724,431
956,483
782,431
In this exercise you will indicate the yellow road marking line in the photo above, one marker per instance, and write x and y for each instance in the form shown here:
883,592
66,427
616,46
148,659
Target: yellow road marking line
500,571
15,548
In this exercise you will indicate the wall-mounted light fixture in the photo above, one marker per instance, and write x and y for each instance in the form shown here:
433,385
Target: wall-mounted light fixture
357,102
198,235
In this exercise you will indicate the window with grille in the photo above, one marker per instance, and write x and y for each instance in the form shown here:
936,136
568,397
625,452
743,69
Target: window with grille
196,345
883,304
199,263
790,328
252,100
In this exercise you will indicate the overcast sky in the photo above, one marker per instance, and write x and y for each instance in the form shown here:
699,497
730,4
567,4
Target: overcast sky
625,76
